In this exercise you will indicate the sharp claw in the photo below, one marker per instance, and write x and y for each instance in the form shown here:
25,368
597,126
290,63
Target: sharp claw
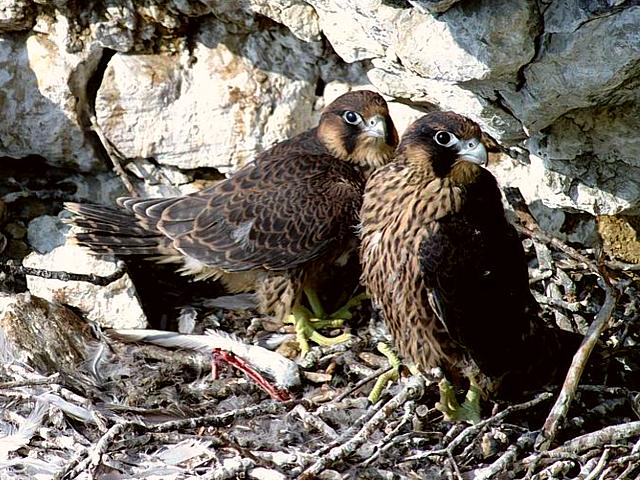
306,322
469,411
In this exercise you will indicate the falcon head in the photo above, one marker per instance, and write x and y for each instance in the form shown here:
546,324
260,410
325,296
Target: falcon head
444,141
357,127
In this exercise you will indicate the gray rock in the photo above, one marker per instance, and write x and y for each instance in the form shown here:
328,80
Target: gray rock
434,6
393,80
471,41
597,64
559,77
41,84
298,16
217,108
115,305
357,30
46,233
16,15
116,31
589,160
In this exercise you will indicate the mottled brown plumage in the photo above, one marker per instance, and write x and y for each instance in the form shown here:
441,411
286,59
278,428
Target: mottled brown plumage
447,269
274,221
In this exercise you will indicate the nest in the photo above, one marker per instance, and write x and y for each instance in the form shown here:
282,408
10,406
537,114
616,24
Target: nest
78,404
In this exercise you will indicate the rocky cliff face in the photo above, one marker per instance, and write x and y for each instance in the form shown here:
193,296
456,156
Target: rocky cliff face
191,84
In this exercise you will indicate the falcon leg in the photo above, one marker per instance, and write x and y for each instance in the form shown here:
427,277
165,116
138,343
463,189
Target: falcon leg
391,375
469,411
344,312
314,303
306,329
388,376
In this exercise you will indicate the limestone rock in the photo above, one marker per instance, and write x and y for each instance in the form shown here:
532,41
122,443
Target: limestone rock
46,233
589,160
116,30
41,85
471,41
16,15
434,6
357,30
393,81
115,305
298,16
212,83
570,73
45,335
217,108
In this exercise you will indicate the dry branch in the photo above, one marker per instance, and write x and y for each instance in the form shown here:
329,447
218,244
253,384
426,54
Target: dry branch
114,155
559,411
64,276
411,391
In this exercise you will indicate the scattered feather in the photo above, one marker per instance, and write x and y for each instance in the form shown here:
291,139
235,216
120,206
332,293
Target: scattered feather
284,372
22,436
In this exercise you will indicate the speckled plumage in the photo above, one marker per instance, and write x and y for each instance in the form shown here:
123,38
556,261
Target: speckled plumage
270,224
447,269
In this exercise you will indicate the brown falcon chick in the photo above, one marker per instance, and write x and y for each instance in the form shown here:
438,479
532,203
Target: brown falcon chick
274,223
448,271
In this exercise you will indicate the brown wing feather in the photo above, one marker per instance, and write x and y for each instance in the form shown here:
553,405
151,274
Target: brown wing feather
282,211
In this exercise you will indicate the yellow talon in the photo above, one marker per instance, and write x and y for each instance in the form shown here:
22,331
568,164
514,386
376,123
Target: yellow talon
469,411
388,376
306,329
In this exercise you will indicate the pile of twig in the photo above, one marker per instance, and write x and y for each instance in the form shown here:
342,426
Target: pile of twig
142,411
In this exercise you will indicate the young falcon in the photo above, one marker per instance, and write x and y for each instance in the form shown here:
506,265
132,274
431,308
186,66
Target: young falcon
448,271
275,224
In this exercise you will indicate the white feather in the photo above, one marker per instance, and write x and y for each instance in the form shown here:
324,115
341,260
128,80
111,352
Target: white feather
22,436
284,372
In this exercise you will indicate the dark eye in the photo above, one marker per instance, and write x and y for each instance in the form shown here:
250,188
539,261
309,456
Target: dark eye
351,117
445,139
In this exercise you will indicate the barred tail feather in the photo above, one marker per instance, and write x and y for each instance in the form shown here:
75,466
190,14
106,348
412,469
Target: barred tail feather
109,230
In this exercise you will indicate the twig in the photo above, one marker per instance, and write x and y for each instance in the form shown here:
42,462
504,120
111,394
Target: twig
478,427
114,155
607,435
219,420
600,466
311,420
573,307
623,266
578,364
531,229
507,459
632,461
412,390
92,456
409,411
362,382
559,410
54,378
64,276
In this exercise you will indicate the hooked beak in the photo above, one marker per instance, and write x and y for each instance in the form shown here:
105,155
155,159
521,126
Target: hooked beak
375,126
472,151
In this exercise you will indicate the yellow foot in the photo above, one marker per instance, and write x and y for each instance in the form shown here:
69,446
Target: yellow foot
469,411
344,312
388,376
306,329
